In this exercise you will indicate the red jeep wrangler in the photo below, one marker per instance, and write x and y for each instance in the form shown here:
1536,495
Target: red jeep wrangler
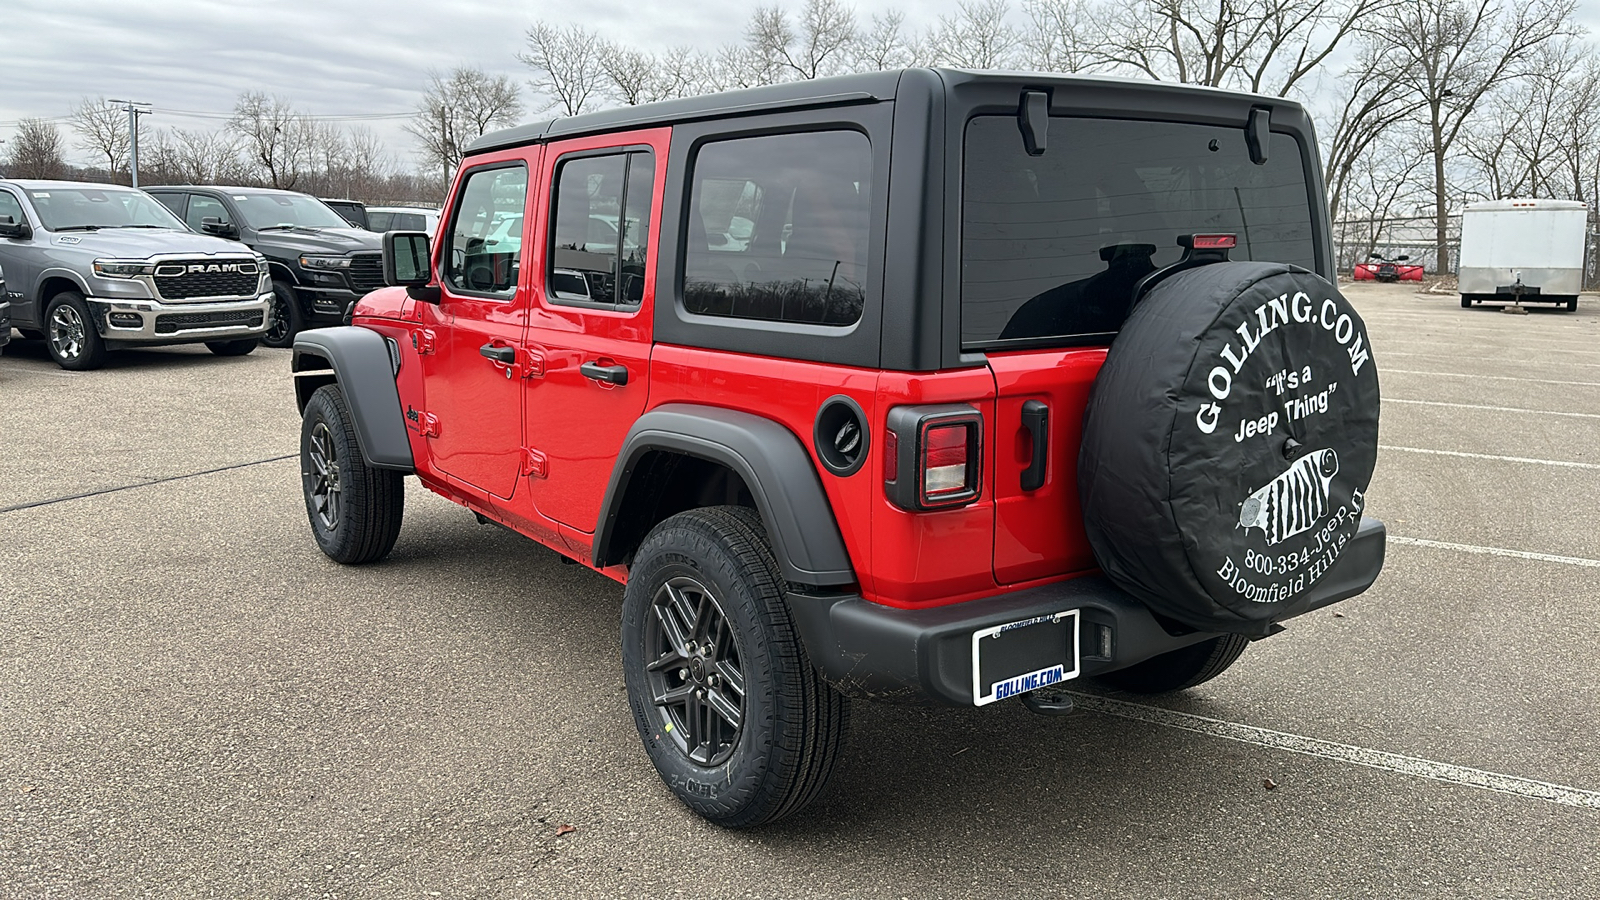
929,385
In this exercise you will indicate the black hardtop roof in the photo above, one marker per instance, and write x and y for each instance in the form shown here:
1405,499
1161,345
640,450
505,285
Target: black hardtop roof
866,87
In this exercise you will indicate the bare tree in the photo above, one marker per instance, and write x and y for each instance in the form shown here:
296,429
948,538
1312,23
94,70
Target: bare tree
275,139
201,157
104,132
1265,46
976,37
1373,100
37,150
566,65
885,45
458,108
1454,53
819,45
1064,37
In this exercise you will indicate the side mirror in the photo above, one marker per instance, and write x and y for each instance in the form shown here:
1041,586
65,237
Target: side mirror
214,225
13,229
406,259
1401,258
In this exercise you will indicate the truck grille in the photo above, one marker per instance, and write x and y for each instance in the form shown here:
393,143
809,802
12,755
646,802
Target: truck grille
366,272
206,278
174,323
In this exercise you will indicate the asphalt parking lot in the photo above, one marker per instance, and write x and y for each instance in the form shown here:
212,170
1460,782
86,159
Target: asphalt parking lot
194,702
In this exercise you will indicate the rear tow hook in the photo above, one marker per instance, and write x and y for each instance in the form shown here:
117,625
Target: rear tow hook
1047,701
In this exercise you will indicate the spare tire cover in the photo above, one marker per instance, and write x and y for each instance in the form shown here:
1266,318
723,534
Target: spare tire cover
1228,443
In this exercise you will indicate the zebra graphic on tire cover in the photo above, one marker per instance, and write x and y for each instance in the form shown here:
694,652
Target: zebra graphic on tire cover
1294,502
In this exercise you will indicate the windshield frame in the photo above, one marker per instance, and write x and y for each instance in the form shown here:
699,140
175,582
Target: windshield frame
248,205
148,211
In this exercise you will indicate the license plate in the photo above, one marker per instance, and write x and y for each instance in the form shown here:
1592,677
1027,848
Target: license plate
1014,658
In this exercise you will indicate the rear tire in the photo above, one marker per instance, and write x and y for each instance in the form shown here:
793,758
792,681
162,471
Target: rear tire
1466,302
232,348
70,336
735,719
1179,669
1572,304
355,509
288,319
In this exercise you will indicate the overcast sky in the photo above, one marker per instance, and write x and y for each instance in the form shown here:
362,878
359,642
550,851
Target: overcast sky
191,59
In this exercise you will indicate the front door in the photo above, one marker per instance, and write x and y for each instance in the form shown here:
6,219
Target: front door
591,324
468,340
20,259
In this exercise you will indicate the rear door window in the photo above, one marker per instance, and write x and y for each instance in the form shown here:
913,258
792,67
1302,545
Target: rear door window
778,228
1052,245
599,226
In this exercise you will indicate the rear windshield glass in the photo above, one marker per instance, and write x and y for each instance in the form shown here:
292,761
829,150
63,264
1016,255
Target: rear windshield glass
1052,245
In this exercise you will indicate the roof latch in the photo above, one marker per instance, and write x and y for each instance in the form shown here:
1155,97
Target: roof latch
1034,118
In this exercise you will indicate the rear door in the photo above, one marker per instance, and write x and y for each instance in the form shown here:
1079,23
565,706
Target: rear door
467,341
1052,246
589,335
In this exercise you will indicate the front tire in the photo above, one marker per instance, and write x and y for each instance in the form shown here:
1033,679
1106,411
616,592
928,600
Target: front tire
355,509
1179,669
735,719
288,319
1466,302
70,336
232,348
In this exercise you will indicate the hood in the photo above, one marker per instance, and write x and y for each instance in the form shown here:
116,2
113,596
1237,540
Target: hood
316,240
139,243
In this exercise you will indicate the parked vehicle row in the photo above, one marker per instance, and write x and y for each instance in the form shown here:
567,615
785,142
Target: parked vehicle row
93,267
386,218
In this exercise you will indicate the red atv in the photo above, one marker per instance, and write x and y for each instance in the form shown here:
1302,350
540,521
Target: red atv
922,386
1387,270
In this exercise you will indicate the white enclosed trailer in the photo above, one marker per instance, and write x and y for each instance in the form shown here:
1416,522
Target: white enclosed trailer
1521,251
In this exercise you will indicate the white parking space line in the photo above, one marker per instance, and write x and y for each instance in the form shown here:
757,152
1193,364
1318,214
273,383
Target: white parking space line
1496,551
1347,753
1382,354
1388,371
1510,409
1545,346
1491,457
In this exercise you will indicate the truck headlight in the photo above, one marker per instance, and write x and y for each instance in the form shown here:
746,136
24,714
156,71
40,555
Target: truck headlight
122,268
325,262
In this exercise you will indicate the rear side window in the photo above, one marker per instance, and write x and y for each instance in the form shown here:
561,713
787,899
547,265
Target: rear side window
778,228
485,239
1052,245
599,228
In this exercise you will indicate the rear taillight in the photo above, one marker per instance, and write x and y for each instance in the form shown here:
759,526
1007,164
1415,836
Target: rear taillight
933,456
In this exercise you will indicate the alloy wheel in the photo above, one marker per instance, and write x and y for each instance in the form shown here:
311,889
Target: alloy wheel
66,331
325,491
696,678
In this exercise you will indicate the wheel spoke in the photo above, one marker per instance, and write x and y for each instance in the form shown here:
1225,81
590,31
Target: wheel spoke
729,711
671,630
675,696
731,677
686,612
671,659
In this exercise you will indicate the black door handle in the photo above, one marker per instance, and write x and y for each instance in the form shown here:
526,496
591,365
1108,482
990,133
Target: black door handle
506,355
614,374
1036,418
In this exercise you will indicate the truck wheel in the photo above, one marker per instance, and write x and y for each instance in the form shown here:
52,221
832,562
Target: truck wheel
70,335
1179,669
735,719
1572,304
1466,301
287,317
355,509
232,348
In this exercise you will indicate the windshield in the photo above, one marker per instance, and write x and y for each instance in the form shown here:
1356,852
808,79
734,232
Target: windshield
101,207
1052,245
268,210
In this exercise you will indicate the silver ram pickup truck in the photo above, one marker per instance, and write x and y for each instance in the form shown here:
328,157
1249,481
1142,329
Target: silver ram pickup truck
93,267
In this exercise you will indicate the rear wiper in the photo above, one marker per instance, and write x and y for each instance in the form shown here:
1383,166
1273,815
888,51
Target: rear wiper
80,228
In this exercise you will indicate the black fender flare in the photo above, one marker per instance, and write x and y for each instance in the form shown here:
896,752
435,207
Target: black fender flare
774,465
362,364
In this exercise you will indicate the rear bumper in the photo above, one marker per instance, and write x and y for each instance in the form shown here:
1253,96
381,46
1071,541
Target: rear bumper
878,652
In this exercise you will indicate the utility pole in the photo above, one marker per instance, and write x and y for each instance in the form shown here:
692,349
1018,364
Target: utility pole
134,109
